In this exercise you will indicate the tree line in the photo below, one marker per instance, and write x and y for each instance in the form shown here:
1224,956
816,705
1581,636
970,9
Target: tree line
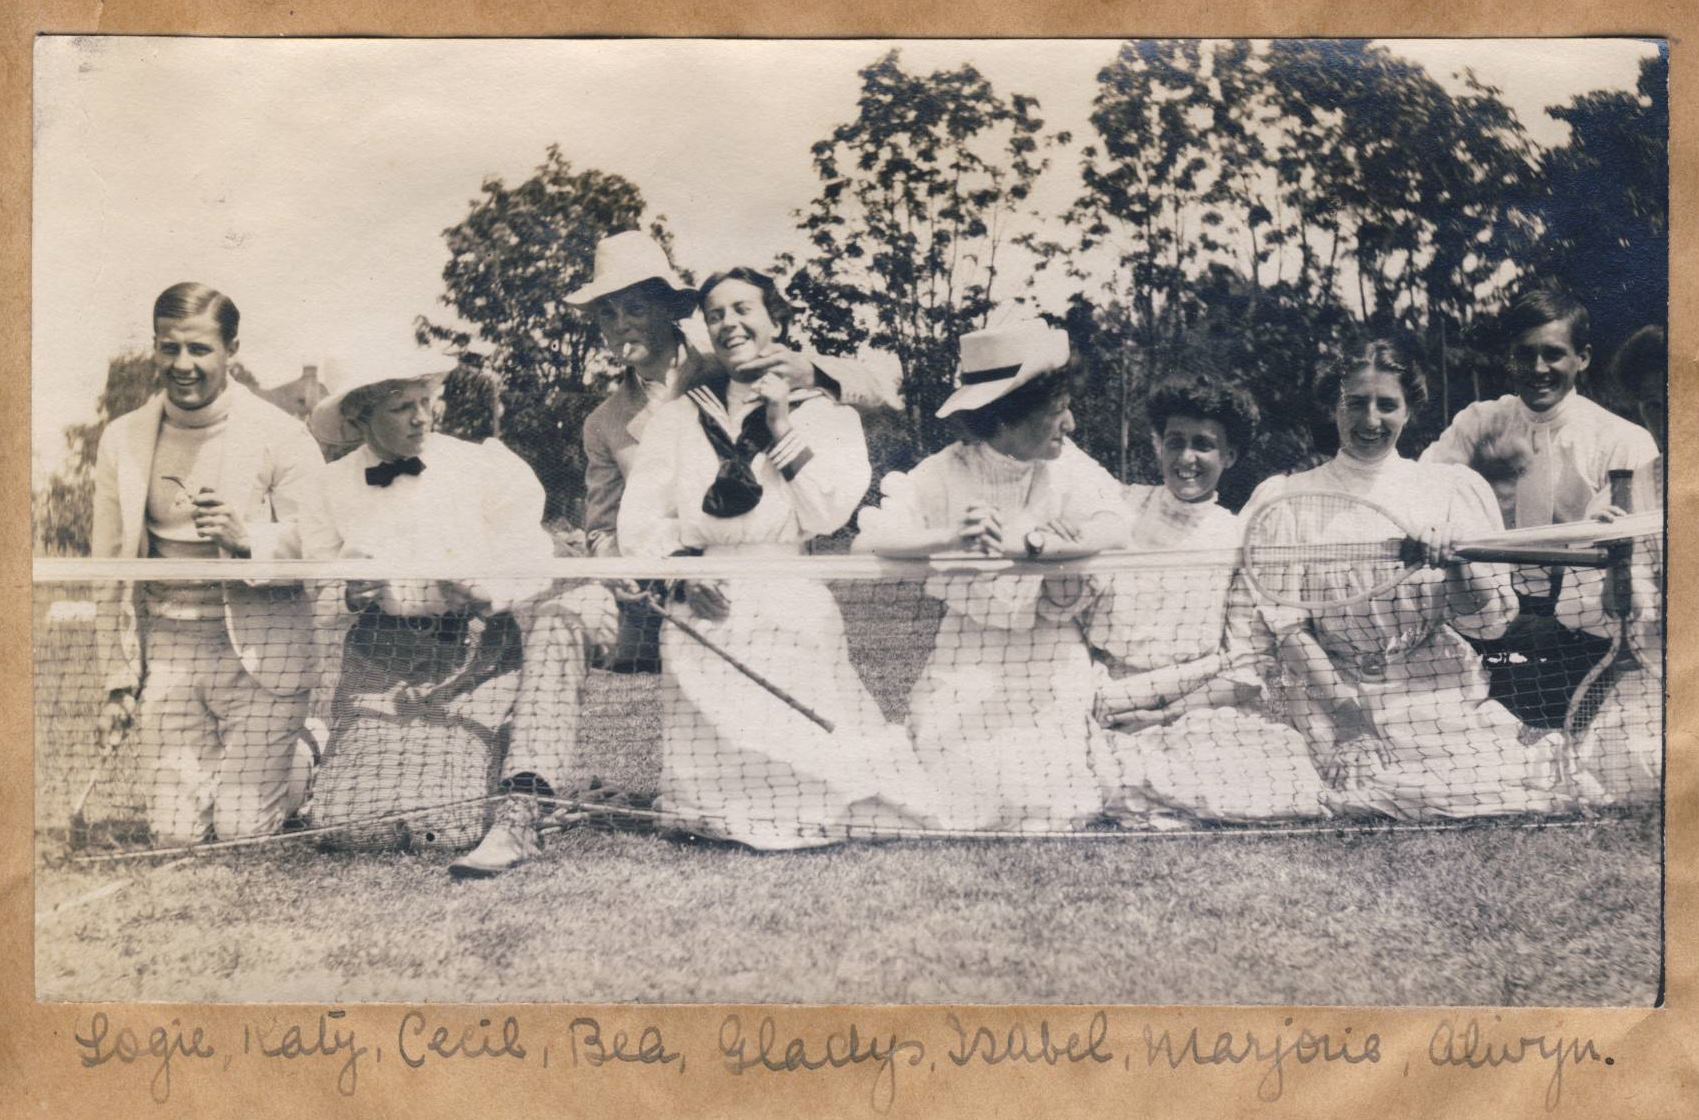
1243,208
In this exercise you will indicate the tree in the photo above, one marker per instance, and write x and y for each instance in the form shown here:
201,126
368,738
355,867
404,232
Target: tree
1286,195
63,509
1605,206
918,196
512,261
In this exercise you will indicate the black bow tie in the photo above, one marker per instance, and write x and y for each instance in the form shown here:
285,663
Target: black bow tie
385,473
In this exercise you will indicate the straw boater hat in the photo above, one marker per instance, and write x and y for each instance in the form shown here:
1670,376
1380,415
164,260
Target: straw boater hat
999,360
626,260
374,366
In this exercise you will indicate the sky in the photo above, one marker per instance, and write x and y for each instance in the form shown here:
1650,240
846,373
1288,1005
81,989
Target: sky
311,180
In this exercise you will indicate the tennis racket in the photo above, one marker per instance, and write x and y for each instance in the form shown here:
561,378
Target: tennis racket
1318,550
649,600
1596,685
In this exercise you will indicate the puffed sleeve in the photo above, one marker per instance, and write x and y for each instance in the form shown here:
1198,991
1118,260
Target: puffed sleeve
1474,512
823,460
1457,443
513,504
1631,448
648,521
1092,494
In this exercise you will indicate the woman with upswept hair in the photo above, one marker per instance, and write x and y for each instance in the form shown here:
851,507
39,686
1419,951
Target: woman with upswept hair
1391,695
747,465
1002,712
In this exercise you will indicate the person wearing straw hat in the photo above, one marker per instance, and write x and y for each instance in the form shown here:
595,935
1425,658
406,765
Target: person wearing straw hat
646,316
214,675
462,653
1002,712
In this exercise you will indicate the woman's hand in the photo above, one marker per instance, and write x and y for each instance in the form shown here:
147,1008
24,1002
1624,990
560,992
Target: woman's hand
707,598
1064,528
776,391
1437,544
981,528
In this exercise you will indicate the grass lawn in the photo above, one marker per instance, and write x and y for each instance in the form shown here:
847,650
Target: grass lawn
1487,915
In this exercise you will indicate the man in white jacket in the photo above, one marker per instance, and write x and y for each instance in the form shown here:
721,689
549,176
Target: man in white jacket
213,675
1575,444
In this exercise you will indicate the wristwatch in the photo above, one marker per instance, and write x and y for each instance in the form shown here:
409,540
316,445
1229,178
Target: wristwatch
1036,542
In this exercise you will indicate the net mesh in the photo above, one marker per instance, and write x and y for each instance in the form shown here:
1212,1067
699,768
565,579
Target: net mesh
784,703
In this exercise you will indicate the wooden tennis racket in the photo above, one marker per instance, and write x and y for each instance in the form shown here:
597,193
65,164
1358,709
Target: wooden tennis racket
1320,550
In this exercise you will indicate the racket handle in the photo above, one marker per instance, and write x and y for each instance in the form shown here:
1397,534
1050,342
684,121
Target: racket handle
1567,557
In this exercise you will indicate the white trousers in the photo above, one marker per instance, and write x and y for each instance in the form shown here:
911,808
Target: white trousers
227,755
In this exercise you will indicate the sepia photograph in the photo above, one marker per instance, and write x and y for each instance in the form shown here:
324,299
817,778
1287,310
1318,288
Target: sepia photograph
1159,521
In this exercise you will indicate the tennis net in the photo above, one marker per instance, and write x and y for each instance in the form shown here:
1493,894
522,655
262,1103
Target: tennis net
788,701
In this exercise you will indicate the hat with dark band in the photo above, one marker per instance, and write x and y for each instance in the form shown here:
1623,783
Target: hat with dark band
999,360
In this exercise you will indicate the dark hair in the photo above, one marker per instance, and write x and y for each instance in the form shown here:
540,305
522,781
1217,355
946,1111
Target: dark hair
1039,393
189,299
1204,398
1641,365
1378,355
778,310
1548,305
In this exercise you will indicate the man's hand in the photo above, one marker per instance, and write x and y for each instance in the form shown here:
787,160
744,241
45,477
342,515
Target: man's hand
117,716
218,522
362,593
796,370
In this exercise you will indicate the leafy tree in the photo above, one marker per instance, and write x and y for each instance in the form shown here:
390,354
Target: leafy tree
513,259
919,195
1605,206
63,507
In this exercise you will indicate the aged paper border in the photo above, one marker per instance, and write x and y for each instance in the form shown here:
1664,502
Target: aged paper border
1655,1053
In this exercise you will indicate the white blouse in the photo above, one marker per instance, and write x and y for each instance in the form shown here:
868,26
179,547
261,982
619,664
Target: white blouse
826,451
1419,494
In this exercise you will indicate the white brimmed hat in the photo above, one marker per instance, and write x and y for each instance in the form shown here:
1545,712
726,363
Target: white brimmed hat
998,360
373,367
626,260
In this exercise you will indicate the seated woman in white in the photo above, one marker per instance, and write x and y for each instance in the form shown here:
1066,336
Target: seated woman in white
1618,758
1001,714
745,464
1180,650
1389,692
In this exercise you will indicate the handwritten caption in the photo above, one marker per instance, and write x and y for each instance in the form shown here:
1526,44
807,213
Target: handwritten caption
754,1047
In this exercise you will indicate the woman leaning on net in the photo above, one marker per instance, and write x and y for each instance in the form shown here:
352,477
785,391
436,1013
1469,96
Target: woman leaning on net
1390,694
1181,652
747,466
1002,712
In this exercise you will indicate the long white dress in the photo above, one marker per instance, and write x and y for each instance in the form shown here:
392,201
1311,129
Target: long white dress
1226,762
737,762
1437,745
1619,757
1001,714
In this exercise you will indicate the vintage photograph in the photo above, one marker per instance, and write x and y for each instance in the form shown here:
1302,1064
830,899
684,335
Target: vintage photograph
936,521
